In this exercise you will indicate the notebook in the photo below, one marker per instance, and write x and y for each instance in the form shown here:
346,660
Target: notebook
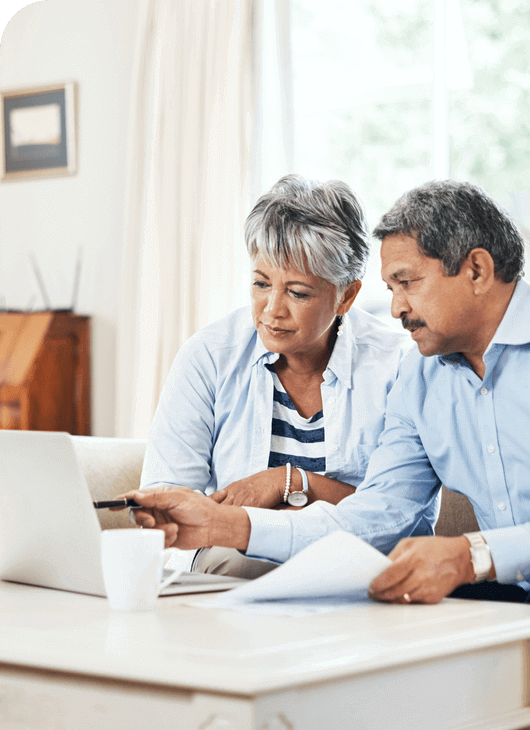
49,531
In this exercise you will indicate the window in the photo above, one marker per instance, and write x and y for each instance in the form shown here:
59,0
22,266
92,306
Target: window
387,96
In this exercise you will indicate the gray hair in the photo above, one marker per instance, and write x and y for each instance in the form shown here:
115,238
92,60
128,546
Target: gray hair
320,227
449,219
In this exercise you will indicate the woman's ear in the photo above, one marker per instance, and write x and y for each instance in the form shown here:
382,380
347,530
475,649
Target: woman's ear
349,296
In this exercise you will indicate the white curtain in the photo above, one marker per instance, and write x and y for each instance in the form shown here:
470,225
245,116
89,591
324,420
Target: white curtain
196,139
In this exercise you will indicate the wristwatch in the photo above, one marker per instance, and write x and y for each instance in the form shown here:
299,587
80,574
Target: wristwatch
299,499
480,556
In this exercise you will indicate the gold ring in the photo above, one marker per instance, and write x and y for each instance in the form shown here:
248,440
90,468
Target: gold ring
406,598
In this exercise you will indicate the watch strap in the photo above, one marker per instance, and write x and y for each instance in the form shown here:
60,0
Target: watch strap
480,556
305,483
298,497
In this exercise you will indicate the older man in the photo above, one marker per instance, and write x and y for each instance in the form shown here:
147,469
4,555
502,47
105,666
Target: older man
459,415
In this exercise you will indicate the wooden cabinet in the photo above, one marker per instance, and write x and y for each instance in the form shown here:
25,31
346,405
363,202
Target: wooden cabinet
45,372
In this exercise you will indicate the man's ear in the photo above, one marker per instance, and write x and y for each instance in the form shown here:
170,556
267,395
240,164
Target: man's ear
480,268
349,296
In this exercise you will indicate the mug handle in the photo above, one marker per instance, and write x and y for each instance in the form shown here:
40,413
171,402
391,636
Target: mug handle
175,574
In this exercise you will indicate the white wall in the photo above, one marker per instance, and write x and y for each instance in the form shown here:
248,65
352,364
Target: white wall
90,42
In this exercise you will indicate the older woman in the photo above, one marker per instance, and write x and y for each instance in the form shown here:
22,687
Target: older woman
281,403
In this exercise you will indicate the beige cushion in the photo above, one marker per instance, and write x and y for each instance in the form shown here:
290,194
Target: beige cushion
111,466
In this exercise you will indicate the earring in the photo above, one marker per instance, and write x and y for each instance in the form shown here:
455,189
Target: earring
339,328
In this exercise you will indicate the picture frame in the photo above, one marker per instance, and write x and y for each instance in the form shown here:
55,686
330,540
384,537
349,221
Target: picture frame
38,131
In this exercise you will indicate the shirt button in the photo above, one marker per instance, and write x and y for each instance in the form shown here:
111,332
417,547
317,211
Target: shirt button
331,401
334,448
519,575
502,506
483,391
491,449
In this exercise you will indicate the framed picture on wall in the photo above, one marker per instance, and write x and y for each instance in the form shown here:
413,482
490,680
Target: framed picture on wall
38,133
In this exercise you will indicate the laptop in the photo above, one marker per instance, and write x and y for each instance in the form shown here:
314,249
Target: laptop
49,531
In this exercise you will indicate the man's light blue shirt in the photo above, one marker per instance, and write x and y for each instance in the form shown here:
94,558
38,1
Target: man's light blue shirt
444,425
213,423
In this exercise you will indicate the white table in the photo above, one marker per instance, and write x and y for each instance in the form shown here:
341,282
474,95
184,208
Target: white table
68,663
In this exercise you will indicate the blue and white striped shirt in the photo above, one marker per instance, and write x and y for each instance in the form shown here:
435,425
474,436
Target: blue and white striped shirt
295,439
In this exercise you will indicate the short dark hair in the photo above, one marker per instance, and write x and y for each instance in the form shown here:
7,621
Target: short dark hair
314,225
449,219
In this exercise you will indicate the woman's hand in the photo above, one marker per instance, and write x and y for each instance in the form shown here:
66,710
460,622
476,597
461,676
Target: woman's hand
264,489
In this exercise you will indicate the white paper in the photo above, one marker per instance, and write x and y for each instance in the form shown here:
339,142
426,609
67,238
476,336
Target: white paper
296,607
328,574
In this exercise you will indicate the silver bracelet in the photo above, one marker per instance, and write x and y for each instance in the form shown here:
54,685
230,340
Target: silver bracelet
287,481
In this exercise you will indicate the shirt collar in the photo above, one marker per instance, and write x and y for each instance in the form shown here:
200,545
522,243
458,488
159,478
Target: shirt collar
514,328
339,364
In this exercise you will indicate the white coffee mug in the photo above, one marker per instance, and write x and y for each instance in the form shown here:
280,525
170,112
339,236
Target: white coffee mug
133,561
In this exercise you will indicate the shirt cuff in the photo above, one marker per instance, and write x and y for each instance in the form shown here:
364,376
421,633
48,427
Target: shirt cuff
270,534
510,551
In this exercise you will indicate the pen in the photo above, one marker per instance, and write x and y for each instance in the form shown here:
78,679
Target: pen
102,503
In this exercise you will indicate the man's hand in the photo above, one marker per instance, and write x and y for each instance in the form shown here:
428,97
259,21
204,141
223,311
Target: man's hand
264,489
424,570
189,519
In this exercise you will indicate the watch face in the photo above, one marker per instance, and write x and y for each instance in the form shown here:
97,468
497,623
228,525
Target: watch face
297,499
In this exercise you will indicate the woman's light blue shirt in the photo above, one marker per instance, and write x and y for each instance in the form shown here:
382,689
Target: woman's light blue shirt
213,423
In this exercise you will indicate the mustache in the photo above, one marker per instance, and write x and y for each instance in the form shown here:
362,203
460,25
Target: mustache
412,324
